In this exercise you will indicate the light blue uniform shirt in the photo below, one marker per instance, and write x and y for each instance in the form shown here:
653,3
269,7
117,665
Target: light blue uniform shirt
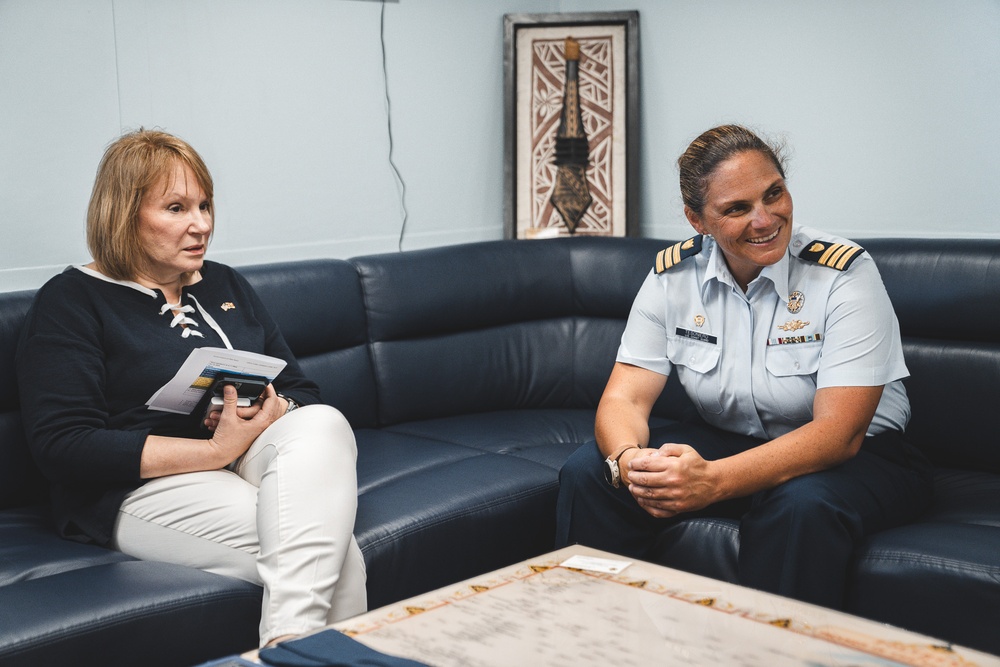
748,362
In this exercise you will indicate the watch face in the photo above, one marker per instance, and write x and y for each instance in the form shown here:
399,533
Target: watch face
611,472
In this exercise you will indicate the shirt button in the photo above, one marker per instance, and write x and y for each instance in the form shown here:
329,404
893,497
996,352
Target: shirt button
796,365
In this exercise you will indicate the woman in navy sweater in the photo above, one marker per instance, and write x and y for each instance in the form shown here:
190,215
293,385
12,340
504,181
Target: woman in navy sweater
266,493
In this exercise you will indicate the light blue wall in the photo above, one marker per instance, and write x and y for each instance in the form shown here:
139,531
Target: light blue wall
890,108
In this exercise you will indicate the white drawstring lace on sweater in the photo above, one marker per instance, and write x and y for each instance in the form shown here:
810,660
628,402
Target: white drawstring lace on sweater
180,317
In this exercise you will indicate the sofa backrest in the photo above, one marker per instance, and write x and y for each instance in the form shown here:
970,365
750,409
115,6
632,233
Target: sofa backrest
447,331
490,311
946,294
500,325
20,482
318,306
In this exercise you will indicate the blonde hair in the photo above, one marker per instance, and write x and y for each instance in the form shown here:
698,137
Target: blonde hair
130,166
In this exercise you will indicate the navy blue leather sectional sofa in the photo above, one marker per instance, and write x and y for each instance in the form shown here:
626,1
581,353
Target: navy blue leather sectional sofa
470,373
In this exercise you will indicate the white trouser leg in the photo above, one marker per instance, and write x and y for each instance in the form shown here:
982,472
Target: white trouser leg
284,519
305,467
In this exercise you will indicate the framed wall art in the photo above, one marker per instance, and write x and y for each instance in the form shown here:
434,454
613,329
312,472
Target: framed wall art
570,124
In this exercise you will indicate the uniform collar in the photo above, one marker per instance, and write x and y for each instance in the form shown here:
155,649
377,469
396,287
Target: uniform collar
717,270
777,273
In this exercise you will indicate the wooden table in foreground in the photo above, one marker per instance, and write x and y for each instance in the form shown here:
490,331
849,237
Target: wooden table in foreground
544,613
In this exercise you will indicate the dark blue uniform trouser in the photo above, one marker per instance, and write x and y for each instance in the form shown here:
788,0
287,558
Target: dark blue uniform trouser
796,539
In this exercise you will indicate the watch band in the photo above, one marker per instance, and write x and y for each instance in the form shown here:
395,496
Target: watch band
612,473
292,405
625,449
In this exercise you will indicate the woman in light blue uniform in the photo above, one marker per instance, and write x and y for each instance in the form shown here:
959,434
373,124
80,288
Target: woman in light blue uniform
786,341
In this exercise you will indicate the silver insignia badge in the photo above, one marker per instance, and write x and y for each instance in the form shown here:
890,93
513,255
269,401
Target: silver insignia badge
795,301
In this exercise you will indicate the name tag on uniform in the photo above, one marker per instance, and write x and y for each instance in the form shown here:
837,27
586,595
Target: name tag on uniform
696,335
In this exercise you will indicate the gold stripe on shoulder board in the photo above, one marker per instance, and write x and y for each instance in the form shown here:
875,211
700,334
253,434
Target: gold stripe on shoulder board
678,252
837,256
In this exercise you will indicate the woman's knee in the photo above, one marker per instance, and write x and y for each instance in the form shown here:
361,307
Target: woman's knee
313,438
320,424
320,413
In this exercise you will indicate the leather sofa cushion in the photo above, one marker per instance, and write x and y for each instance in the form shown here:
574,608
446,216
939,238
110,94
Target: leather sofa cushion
953,392
128,613
945,289
319,307
433,512
965,496
932,577
20,482
474,491
437,291
30,548
547,437
945,293
13,307
458,333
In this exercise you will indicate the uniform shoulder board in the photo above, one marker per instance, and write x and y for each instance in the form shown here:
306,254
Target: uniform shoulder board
838,256
668,257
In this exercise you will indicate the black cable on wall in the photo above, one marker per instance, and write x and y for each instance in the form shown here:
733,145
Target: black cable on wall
400,184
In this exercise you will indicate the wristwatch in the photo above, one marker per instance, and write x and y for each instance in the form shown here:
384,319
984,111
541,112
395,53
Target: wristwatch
292,405
611,472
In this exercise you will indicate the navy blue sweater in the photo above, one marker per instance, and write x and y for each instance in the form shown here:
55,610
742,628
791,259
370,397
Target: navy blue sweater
93,351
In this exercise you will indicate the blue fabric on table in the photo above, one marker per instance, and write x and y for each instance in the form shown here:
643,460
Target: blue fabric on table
229,661
330,648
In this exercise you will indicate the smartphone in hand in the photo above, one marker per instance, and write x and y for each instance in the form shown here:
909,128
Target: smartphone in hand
248,388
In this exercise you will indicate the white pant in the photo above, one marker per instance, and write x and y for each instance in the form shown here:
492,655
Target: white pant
283,517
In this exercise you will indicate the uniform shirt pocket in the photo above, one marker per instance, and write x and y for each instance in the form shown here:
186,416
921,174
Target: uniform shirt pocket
794,359
697,366
792,378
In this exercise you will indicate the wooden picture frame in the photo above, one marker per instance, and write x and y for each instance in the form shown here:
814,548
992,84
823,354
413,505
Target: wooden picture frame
536,106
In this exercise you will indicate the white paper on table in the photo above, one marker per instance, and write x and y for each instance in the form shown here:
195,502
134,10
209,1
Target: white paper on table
184,391
595,564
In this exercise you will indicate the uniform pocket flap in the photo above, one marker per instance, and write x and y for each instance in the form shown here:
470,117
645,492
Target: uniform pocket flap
697,355
793,359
